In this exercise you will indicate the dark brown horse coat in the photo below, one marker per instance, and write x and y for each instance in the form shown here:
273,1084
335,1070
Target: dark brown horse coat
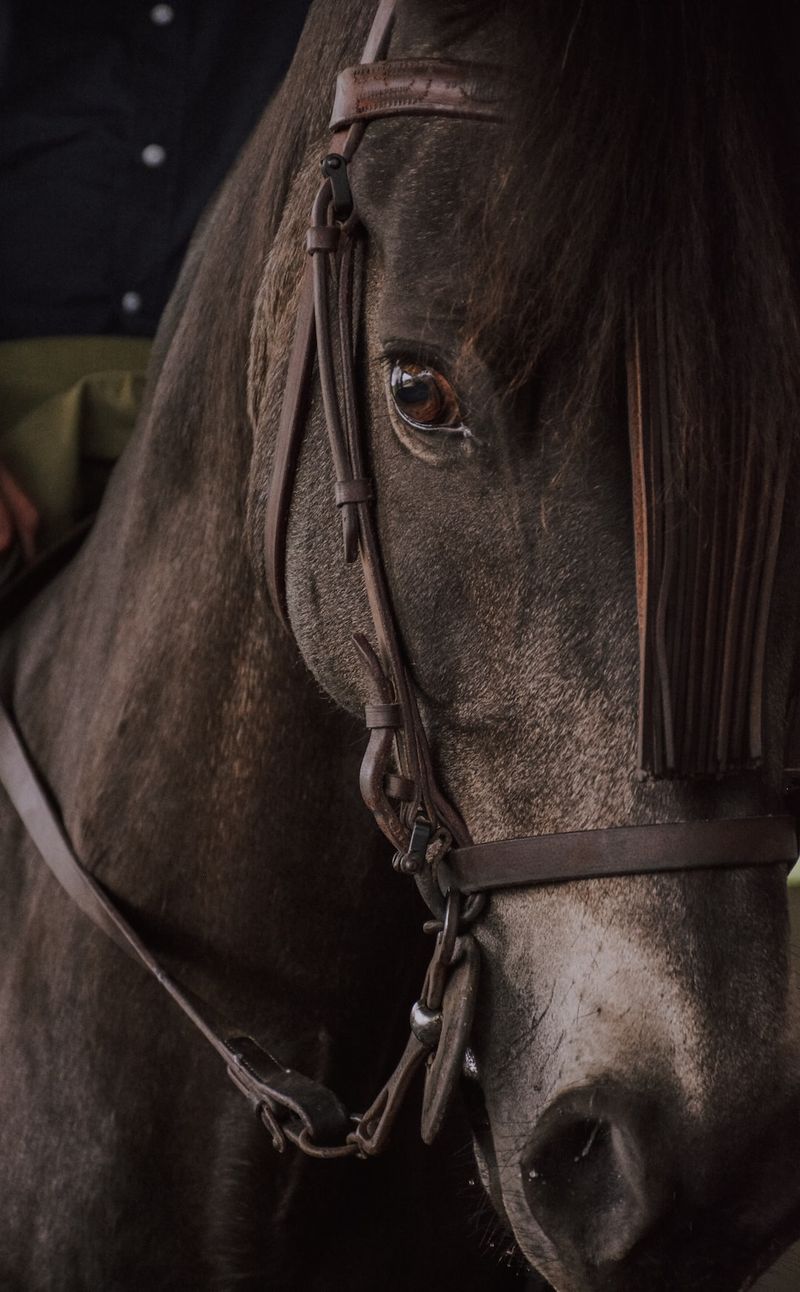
209,783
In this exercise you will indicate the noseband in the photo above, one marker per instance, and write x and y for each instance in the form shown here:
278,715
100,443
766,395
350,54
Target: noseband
398,779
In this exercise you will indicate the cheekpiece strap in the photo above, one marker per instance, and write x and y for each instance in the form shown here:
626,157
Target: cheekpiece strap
417,87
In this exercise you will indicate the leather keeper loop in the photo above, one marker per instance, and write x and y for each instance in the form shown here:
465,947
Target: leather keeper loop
382,716
398,787
323,237
359,490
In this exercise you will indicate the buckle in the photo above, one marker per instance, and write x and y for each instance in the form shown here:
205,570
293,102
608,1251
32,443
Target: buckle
412,861
334,168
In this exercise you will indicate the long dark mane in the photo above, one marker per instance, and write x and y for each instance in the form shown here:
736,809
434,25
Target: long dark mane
655,142
648,159
641,213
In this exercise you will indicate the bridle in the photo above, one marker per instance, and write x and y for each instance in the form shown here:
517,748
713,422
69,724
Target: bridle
398,778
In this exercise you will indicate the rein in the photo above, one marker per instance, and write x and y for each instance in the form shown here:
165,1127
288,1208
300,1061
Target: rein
398,780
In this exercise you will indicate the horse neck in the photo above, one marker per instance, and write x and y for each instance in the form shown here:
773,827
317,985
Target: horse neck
200,773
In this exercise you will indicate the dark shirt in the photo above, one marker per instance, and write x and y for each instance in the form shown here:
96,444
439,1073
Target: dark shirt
118,120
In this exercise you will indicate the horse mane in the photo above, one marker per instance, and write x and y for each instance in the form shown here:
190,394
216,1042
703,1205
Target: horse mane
645,172
652,145
641,208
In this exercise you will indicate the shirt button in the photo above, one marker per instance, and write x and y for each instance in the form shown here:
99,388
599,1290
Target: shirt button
131,303
162,14
154,155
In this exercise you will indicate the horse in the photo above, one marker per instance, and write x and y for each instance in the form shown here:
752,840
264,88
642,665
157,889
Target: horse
632,1071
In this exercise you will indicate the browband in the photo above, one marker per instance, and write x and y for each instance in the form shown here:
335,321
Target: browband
416,87
622,850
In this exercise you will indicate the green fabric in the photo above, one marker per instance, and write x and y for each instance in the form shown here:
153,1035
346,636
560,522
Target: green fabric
67,409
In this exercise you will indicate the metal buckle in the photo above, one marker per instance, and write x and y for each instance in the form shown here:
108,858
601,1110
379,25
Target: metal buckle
412,861
326,1152
270,1121
334,168
426,1013
286,1101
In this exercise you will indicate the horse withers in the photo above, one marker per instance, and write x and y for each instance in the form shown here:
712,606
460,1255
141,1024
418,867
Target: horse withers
632,1065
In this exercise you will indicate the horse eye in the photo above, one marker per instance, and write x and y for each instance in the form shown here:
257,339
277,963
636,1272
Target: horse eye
424,398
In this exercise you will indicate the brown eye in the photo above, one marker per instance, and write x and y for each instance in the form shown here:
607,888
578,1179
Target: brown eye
424,398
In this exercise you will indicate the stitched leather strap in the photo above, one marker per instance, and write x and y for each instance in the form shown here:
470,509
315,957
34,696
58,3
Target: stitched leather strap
416,87
625,850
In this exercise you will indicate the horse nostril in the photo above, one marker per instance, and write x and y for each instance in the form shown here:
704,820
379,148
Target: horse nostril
563,1161
588,1179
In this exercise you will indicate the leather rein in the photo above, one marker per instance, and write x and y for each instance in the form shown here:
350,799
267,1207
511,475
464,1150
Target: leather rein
398,780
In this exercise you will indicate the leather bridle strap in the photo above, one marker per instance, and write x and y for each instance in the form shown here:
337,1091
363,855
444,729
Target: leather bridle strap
291,1105
624,850
371,90
415,87
324,328
298,374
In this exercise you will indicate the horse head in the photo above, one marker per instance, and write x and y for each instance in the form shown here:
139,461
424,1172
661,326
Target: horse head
633,1064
